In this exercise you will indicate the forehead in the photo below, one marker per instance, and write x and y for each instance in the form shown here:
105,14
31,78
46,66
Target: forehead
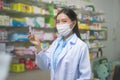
62,16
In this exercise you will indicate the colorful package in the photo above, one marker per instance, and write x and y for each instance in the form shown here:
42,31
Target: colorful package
17,68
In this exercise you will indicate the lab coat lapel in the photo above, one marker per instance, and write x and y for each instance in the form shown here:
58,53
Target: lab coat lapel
54,48
68,46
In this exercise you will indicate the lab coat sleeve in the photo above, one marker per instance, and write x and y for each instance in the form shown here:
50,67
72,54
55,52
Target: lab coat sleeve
43,58
84,64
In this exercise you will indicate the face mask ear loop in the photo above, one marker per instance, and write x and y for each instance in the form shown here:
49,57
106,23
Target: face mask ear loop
74,22
73,27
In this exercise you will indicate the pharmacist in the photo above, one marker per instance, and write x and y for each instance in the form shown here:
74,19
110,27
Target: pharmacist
68,56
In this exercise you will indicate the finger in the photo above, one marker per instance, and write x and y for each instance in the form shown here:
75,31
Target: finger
30,36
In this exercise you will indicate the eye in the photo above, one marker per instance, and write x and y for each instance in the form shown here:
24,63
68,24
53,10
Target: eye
57,21
64,21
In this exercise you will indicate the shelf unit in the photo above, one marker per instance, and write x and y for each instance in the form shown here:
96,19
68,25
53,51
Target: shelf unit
91,31
96,43
19,14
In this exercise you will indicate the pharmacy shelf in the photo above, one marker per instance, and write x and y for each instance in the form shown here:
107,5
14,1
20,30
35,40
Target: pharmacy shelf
90,22
97,47
46,29
13,27
14,13
5,26
18,56
103,28
38,3
4,41
26,27
8,41
90,13
93,29
94,39
26,71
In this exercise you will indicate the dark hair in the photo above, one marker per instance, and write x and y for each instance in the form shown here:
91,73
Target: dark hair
116,75
73,16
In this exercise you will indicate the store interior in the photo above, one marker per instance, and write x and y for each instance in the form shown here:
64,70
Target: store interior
98,22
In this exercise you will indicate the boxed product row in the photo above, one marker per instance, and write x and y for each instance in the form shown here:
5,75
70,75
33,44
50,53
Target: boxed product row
23,8
94,44
22,36
27,21
42,36
23,65
27,8
92,35
25,49
84,18
21,50
94,26
31,50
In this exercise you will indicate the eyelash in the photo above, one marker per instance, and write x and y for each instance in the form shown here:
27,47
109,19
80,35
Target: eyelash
62,21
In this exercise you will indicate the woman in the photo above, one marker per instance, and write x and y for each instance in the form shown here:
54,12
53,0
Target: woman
68,55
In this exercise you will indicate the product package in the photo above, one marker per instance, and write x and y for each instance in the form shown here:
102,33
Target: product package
4,20
17,67
18,37
18,22
21,7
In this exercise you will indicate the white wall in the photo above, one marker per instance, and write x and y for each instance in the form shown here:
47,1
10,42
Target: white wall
112,11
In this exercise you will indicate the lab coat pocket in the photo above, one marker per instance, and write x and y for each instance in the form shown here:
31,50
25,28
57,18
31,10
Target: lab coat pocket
69,71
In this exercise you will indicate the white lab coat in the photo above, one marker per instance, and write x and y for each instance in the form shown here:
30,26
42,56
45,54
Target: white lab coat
73,62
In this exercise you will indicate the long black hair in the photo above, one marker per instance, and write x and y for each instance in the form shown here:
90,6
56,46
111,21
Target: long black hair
73,16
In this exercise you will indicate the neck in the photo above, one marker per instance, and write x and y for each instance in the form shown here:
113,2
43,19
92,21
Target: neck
65,37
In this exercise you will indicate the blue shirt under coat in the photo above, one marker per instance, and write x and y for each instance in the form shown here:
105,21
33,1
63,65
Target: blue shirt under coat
62,43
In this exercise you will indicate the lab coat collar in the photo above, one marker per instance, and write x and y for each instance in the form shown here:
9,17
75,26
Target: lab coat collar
65,41
72,41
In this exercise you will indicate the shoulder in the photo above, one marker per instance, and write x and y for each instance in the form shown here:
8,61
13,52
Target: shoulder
81,44
78,42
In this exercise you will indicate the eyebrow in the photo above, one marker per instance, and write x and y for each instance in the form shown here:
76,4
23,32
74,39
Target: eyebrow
63,19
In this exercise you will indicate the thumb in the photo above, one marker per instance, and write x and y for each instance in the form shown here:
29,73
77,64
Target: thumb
35,37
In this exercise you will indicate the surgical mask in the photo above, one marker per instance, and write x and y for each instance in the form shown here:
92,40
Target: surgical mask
63,29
